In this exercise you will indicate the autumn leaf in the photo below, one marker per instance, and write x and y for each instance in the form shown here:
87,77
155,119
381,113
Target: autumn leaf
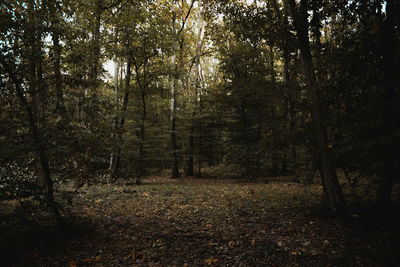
72,264
132,255
88,260
211,260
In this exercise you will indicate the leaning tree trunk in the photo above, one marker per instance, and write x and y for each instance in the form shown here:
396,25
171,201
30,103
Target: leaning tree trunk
326,167
38,141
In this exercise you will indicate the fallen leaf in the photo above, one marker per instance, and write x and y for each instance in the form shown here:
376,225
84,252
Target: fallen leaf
88,260
211,260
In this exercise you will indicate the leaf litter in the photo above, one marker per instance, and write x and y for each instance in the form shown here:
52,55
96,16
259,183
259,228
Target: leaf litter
193,222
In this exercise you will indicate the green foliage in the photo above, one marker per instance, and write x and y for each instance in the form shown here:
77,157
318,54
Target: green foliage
239,89
17,182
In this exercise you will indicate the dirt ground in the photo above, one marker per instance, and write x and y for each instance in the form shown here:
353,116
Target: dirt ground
196,222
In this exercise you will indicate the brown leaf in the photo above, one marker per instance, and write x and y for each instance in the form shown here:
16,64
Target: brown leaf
211,260
88,260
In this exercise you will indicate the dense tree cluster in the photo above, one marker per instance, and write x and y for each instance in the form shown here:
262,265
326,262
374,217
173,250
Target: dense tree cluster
130,88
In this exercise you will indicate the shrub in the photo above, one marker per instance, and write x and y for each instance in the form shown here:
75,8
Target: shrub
17,182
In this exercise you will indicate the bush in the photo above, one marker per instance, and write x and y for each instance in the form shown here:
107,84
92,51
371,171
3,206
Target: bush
17,182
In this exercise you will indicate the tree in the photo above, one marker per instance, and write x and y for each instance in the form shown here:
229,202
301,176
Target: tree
391,99
178,36
325,164
21,48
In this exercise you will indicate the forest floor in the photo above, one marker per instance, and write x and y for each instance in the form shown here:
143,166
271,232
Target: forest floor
198,222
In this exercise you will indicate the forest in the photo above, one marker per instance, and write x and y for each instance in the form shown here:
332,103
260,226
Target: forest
199,133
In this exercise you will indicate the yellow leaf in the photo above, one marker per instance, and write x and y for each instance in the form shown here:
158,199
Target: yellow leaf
209,261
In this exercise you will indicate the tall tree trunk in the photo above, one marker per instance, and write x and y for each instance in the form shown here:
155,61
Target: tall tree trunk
172,128
189,170
290,153
57,68
120,128
142,135
290,112
390,119
116,101
35,77
190,163
199,157
328,173
178,43
91,92
275,163
94,66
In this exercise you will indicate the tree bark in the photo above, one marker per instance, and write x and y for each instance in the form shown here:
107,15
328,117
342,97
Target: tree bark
56,65
199,157
116,103
142,135
39,145
120,128
90,92
172,128
174,164
190,163
390,119
326,167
